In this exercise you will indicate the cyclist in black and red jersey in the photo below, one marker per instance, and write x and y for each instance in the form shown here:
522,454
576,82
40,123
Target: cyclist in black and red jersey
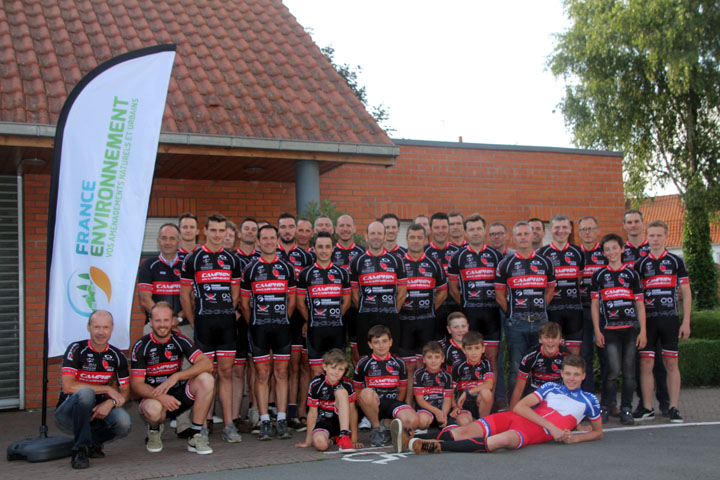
663,274
267,301
589,231
441,250
471,277
189,229
619,323
524,284
304,235
158,378
379,286
498,239
456,229
213,274
568,261
391,222
343,253
323,291
426,290
289,251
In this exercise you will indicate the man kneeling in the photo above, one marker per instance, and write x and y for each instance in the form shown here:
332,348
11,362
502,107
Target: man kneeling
549,413
157,377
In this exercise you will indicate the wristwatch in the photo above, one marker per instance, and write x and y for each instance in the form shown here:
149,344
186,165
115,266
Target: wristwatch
114,402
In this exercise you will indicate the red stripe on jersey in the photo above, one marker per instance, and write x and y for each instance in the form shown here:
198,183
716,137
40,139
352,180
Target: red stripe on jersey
528,281
212,276
270,286
567,272
382,382
660,281
378,278
616,292
590,269
420,283
96,378
331,290
165,368
166,288
478,273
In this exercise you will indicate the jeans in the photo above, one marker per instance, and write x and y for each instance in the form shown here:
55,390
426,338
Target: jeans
520,336
620,352
500,392
73,416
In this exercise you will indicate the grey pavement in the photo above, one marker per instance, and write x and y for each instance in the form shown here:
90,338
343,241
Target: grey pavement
128,459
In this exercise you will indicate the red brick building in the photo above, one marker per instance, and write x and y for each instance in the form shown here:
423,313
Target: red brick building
253,106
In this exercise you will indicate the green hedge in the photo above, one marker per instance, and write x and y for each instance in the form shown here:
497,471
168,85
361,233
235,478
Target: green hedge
698,362
705,324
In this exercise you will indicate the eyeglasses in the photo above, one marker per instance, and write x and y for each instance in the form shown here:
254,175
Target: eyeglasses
587,229
497,234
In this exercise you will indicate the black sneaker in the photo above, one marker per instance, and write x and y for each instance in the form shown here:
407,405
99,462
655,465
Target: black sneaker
265,431
626,418
96,451
664,409
282,430
674,415
79,459
297,425
642,414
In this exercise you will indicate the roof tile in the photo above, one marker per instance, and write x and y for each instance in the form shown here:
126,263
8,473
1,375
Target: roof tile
671,210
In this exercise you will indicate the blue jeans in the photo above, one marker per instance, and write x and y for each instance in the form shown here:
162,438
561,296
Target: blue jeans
520,336
620,352
587,352
73,416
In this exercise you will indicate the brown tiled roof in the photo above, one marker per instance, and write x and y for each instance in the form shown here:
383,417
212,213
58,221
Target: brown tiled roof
243,68
671,210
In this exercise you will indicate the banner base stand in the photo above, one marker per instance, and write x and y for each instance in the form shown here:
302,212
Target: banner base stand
40,449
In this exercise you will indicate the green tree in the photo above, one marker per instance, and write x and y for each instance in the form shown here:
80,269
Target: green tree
642,77
329,209
379,112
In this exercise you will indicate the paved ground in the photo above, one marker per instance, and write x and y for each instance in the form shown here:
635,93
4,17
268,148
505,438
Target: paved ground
128,459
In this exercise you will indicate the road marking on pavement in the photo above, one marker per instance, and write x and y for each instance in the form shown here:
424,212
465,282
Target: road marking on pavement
379,458
652,427
359,450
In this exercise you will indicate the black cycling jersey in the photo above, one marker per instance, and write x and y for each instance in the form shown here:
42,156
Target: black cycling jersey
433,386
377,277
384,375
94,367
342,256
268,285
424,278
475,273
594,261
297,257
568,265
466,375
321,394
162,279
155,361
632,253
324,289
538,368
661,277
617,291
525,280
399,251
442,255
453,354
211,274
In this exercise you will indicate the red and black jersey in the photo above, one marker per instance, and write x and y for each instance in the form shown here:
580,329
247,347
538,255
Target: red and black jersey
297,257
525,280
453,354
162,279
324,289
424,278
377,277
632,254
268,285
442,255
211,274
94,367
385,376
475,273
246,258
399,251
459,245
342,257
538,368
466,375
568,264
321,394
182,253
617,292
155,361
661,278
594,261
433,386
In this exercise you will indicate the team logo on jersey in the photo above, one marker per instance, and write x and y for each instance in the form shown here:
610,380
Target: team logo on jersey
389,369
521,302
220,262
168,354
643,253
555,367
176,271
474,294
662,268
483,260
105,364
210,297
263,308
534,268
319,311
438,378
276,271
478,374
614,313
88,291
331,277
649,301
383,265
370,298
568,259
621,280
407,304
422,270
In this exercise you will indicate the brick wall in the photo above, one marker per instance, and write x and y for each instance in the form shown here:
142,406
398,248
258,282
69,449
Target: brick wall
504,186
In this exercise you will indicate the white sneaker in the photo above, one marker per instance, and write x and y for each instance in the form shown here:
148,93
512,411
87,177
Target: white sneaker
198,443
253,416
365,424
173,423
217,419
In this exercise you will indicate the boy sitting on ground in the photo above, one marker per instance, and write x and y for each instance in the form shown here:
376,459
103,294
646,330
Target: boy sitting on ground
473,381
432,389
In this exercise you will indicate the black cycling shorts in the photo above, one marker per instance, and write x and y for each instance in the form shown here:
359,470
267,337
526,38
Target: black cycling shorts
486,321
389,408
296,325
181,392
322,339
666,329
241,349
215,335
272,338
572,323
330,425
367,320
414,334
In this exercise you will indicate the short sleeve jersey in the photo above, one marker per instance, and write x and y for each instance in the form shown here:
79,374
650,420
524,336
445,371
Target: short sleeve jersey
321,394
182,253
162,279
594,261
377,277
538,368
94,367
268,285
324,289
212,275
525,280
453,354
617,291
385,376
297,257
466,375
246,258
568,264
433,386
399,251
442,255
342,257
632,254
661,278
475,273
425,277
154,361
565,408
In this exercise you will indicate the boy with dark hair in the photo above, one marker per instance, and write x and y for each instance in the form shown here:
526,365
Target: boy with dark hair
432,389
549,413
542,363
473,381
457,327
381,381
331,407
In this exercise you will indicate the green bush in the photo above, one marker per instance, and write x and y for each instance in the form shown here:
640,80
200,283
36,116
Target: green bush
705,324
698,362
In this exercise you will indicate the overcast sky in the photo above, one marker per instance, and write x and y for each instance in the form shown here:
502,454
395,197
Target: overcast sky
470,69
